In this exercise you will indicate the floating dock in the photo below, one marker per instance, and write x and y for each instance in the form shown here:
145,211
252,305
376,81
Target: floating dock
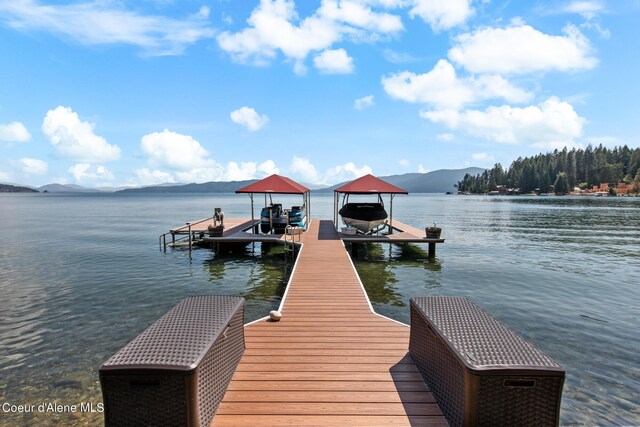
331,360
242,230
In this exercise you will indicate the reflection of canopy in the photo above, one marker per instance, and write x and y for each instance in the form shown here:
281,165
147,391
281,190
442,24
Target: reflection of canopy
369,184
275,184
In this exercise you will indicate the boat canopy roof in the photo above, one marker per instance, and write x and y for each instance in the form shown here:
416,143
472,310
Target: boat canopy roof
369,184
275,184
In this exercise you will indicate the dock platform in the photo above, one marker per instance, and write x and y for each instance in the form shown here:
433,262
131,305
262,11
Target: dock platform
331,360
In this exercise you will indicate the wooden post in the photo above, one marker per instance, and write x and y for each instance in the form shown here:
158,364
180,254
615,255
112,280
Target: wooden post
189,225
164,241
173,238
432,249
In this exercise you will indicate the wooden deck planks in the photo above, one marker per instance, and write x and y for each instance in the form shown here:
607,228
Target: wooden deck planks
330,360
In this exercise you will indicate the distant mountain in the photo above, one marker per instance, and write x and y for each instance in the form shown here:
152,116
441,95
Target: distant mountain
439,181
67,188
206,187
7,188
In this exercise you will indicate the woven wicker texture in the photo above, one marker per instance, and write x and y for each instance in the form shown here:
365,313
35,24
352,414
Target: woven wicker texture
478,338
433,359
145,403
180,338
217,368
518,406
481,372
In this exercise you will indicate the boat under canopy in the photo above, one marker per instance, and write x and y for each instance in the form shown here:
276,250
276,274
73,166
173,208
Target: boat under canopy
364,216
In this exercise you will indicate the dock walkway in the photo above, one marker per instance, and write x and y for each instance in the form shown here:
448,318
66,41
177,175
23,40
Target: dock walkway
330,360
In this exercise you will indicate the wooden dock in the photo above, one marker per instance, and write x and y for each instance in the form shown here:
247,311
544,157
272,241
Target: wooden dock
330,360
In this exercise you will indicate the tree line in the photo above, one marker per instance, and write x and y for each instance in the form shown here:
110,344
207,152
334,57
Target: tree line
560,171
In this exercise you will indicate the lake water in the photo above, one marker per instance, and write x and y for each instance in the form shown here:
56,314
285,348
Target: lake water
81,275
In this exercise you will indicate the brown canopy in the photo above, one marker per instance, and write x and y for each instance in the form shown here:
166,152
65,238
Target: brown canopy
369,184
275,184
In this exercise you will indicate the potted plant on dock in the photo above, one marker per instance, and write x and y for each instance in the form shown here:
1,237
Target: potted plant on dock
433,232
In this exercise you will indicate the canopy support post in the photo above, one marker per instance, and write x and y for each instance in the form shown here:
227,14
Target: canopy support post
253,221
391,214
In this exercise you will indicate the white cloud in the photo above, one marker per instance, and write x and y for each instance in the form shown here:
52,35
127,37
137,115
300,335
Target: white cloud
441,88
346,172
364,102
14,132
334,62
421,169
274,26
250,170
398,57
482,157
100,22
213,173
442,15
84,173
522,49
174,150
404,162
358,14
145,176
249,118
586,8
445,137
75,139
33,166
305,169
268,167
5,176
552,123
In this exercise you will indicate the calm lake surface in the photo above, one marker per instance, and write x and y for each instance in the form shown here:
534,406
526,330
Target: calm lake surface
81,275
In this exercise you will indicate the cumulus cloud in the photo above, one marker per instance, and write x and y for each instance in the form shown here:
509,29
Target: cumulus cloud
302,167
75,139
99,23
174,150
249,118
552,123
346,172
334,62
274,26
364,102
521,49
421,169
443,89
5,176
442,15
14,132
84,173
33,166
250,170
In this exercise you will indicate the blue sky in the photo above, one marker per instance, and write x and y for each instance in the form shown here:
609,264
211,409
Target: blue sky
111,93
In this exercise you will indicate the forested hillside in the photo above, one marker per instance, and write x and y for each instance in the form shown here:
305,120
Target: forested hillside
563,170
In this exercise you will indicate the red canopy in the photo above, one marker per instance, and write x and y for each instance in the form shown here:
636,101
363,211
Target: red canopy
274,184
369,184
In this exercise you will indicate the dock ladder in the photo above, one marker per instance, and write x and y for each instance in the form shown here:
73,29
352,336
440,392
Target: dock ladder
290,233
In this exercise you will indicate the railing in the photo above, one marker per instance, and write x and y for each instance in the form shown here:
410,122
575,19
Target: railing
181,231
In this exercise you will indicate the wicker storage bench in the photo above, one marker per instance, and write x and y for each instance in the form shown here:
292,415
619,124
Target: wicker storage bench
480,372
176,372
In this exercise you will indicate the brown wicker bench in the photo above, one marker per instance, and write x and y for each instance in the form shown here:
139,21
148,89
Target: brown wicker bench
176,372
481,372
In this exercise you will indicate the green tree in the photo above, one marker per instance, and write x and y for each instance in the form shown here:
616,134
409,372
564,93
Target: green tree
561,185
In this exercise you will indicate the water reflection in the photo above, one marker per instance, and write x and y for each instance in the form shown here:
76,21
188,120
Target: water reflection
383,269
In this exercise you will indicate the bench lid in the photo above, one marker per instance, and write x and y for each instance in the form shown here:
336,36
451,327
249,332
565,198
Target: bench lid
180,338
480,341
